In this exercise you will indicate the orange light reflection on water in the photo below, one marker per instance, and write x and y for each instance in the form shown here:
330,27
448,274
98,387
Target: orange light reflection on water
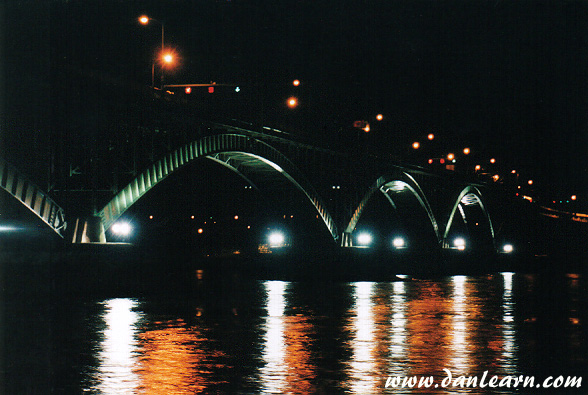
171,359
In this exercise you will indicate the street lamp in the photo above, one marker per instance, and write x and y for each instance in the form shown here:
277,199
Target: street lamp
292,102
144,20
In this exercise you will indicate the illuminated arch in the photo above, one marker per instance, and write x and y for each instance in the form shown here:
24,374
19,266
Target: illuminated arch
396,183
469,196
32,197
231,150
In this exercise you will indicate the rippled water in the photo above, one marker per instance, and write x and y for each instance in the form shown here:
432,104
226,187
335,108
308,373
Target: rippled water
235,335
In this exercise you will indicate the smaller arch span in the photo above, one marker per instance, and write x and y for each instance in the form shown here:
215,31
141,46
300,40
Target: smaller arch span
390,184
231,146
468,197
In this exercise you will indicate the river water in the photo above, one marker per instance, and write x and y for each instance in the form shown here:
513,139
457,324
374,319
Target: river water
228,334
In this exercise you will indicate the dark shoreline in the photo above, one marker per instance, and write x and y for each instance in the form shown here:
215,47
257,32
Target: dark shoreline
120,269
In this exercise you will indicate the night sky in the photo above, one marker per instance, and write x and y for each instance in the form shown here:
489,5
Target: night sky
506,78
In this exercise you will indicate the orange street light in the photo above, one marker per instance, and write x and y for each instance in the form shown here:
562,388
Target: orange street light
292,102
451,156
379,117
168,58
530,182
478,167
492,160
574,197
416,145
431,136
466,151
296,82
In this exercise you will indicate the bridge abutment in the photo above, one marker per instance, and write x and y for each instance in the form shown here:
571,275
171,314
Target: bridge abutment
89,230
346,240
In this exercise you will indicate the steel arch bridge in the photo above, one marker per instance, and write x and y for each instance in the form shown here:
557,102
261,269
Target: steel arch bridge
432,204
242,154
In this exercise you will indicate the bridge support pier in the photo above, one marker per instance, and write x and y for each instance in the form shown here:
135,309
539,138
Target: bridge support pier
346,240
89,230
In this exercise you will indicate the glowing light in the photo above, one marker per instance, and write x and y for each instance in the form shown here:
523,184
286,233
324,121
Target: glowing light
530,182
192,217
379,117
121,228
459,243
495,177
144,19
168,58
508,248
430,161
574,197
296,82
478,167
292,102
416,145
514,172
492,160
398,242
151,217
276,239
364,239
367,127
200,230
236,217
188,90
450,156
431,136
466,151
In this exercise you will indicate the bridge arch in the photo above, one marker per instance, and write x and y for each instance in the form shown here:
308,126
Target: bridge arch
231,150
390,185
469,198
35,199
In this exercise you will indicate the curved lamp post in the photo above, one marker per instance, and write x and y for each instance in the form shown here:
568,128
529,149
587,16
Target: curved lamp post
166,58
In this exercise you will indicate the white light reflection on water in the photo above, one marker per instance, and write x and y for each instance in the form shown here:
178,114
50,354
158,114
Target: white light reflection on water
508,327
398,344
460,350
274,373
362,364
118,350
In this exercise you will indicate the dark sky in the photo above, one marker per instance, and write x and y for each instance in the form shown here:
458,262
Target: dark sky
509,78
